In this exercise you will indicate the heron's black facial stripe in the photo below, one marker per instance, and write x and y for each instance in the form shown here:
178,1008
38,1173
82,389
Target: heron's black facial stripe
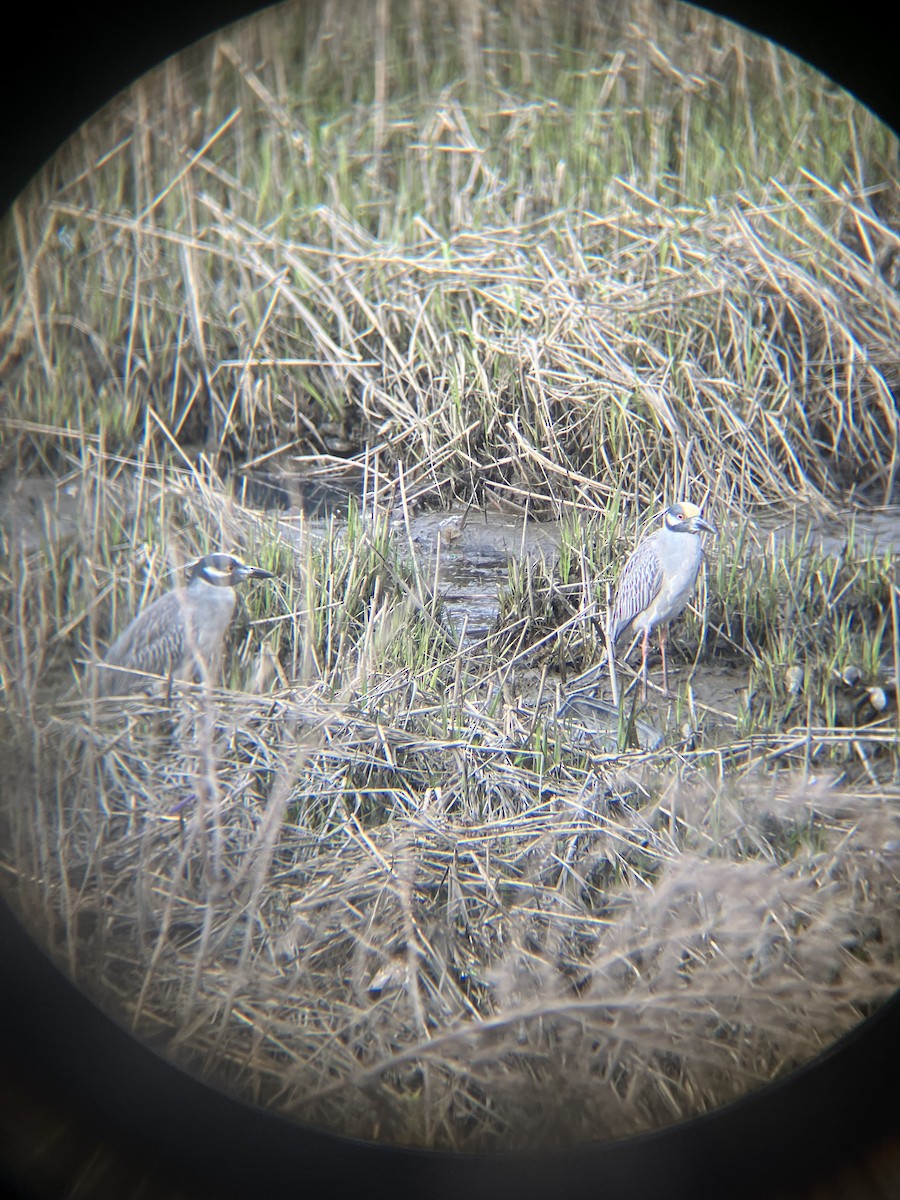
223,563
217,569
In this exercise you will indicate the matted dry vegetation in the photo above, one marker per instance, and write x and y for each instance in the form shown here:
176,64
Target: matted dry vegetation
507,294
374,882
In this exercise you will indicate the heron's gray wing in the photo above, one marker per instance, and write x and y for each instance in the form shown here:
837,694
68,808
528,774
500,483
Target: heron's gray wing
639,583
153,643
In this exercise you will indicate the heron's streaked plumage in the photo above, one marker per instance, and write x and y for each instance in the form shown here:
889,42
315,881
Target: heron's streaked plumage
659,577
182,633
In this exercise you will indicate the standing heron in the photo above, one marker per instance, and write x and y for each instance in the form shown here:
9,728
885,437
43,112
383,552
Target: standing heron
181,634
656,583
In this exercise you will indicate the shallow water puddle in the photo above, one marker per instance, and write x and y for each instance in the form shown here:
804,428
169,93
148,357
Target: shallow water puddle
878,529
470,554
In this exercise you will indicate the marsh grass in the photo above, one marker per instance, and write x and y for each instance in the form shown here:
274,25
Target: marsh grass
435,278
808,620
368,926
369,878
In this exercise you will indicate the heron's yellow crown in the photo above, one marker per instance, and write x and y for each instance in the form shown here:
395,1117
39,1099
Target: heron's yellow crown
687,510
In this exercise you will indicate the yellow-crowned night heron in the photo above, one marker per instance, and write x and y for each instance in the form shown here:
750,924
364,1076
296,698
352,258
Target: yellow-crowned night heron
657,581
182,633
